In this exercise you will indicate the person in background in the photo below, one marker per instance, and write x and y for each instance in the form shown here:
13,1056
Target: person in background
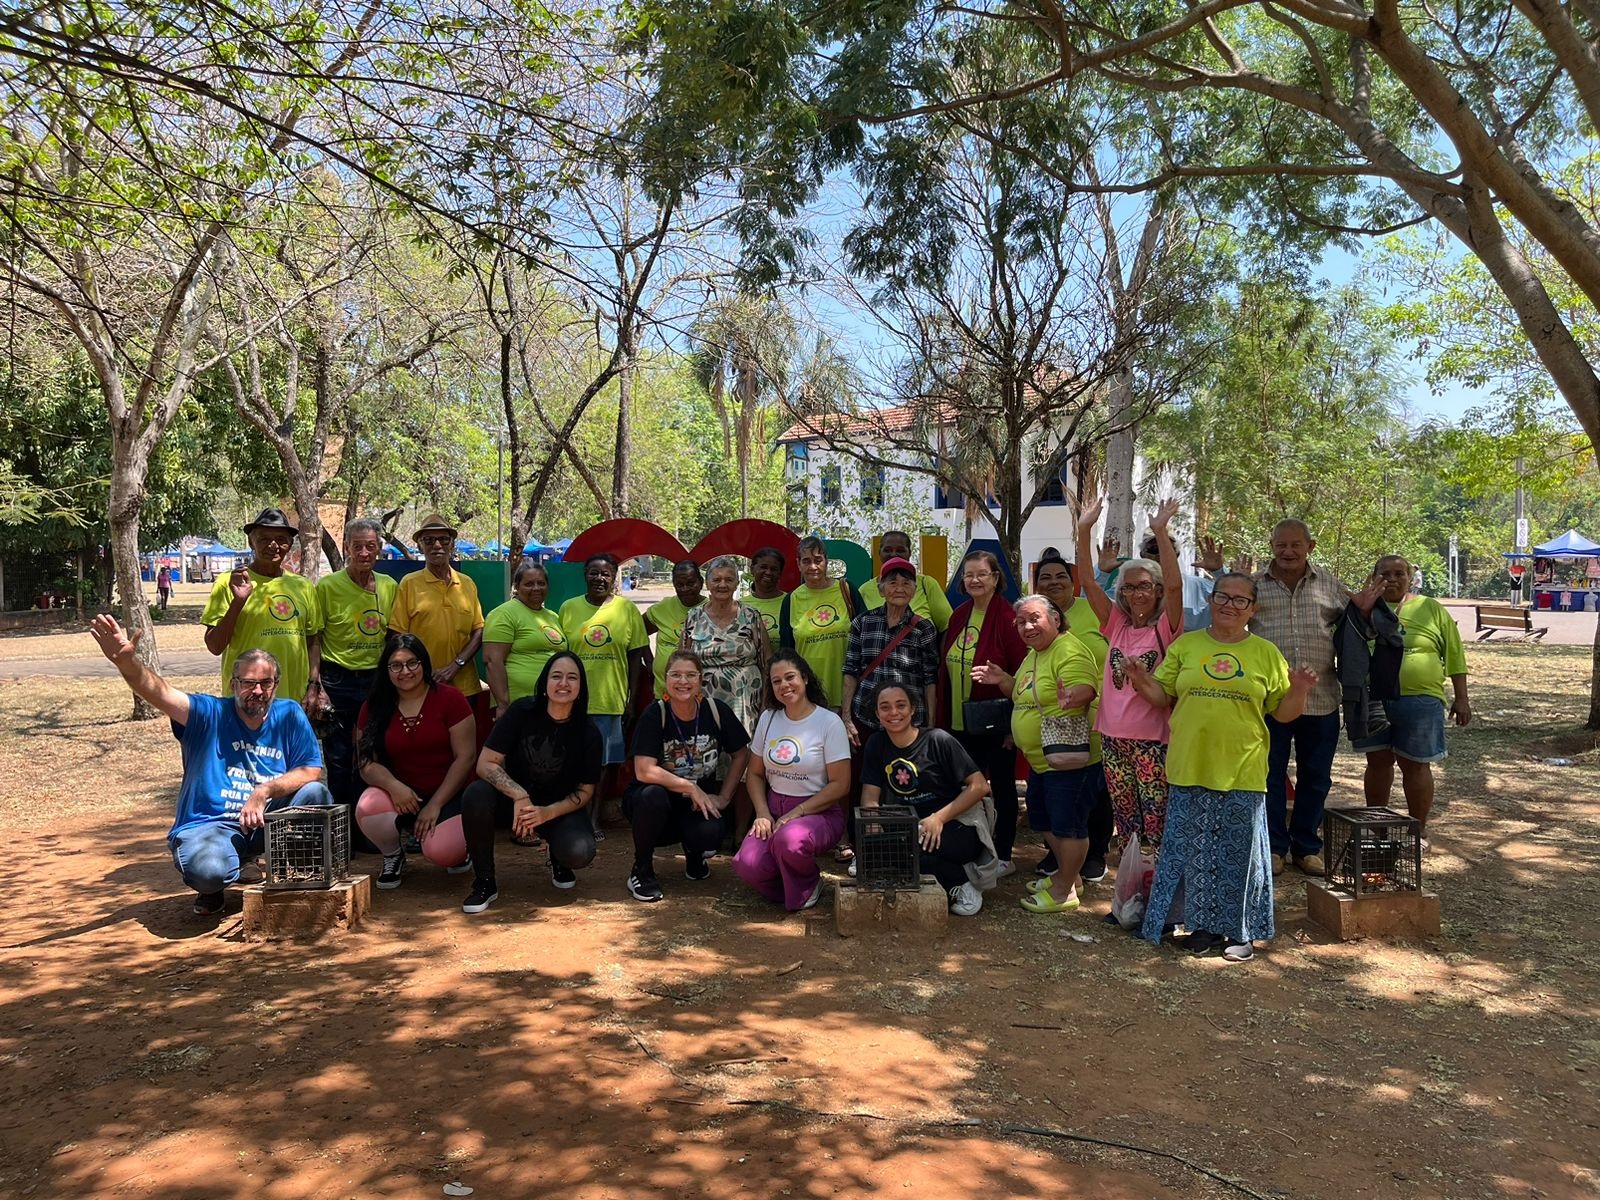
520,636
164,586
1196,587
416,739
536,775
1415,735
262,606
665,618
799,772
1141,623
815,620
1221,684
1298,604
607,634
1055,579
1056,682
928,771
244,755
927,600
355,603
440,605
730,644
983,630
766,593
680,793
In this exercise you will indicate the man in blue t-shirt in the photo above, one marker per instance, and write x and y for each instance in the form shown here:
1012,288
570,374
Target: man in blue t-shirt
241,757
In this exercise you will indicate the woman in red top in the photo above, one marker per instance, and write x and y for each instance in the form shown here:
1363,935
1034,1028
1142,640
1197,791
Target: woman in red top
983,630
415,745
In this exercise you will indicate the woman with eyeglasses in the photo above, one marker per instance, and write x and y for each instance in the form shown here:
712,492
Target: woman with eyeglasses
1141,623
415,742
1221,685
982,630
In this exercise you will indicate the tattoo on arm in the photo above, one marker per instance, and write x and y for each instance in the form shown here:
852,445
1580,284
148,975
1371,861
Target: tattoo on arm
497,777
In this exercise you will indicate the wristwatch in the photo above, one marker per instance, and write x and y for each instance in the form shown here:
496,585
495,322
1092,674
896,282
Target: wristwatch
460,662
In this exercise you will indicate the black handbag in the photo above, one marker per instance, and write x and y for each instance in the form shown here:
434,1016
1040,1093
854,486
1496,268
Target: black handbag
986,716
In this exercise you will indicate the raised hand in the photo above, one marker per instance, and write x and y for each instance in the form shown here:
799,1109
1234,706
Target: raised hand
1367,598
1165,511
1110,555
1091,513
240,584
1210,555
1244,565
1302,679
113,640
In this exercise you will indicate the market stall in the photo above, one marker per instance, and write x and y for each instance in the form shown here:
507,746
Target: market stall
1566,573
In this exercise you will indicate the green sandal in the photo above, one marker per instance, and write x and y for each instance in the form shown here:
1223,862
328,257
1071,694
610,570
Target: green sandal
1041,901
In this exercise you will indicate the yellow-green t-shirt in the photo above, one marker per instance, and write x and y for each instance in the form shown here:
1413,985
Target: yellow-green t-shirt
280,614
1085,626
1219,724
1433,647
354,620
1065,664
601,636
534,635
443,613
958,663
668,617
770,609
821,625
928,600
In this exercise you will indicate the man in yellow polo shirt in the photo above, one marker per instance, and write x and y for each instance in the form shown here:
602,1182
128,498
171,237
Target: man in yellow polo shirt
440,605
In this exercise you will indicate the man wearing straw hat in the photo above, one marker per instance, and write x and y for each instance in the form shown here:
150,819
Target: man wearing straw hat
440,605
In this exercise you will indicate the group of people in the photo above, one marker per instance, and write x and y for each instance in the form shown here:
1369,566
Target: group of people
1151,706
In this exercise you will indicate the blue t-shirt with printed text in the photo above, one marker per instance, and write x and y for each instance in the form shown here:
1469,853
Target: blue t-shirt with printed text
224,759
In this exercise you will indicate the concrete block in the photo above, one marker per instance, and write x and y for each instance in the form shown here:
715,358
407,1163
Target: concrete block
924,913
1381,915
270,914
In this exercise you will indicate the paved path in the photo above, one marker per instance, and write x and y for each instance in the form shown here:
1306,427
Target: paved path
182,662
1566,629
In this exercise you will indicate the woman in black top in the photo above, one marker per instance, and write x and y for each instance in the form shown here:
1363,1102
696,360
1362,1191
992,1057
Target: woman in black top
536,774
677,795
931,772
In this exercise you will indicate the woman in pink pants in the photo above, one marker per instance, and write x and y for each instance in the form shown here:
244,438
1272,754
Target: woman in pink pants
799,772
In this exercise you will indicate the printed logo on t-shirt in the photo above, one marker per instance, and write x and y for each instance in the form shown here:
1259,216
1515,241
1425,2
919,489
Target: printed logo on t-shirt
1223,665
902,776
371,622
552,634
968,638
783,751
597,635
824,615
769,622
282,608
1024,684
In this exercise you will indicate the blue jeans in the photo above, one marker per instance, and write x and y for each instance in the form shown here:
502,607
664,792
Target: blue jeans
208,855
1314,741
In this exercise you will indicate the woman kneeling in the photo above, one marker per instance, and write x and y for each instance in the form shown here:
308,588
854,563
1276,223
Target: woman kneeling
799,773
536,776
414,745
676,795
931,772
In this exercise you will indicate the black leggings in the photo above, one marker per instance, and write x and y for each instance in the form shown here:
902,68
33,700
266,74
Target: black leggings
958,846
999,765
484,808
660,818
346,690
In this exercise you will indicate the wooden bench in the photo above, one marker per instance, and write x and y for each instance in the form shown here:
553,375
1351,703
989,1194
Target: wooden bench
1506,618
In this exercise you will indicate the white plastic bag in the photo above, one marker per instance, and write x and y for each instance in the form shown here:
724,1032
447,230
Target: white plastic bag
1135,873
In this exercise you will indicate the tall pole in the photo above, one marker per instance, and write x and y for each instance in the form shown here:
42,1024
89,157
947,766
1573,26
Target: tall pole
1520,539
500,491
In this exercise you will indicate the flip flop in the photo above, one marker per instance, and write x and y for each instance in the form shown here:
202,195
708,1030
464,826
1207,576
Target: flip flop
843,854
1042,901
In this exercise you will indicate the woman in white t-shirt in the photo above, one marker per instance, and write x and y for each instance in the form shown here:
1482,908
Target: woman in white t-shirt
799,772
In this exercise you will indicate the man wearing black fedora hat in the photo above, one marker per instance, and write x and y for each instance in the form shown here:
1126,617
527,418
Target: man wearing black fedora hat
261,606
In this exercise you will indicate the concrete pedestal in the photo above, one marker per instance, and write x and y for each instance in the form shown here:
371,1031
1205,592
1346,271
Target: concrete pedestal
270,914
1384,914
923,913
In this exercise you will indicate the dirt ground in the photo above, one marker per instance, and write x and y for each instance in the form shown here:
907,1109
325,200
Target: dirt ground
583,1045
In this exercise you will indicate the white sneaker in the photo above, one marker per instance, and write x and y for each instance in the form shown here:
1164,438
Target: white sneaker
966,900
811,900
852,868
1007,867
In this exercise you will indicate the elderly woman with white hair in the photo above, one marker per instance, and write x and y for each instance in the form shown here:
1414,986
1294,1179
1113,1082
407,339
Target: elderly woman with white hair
730,641
1140,623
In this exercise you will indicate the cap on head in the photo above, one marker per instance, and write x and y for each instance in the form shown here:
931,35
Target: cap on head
892,565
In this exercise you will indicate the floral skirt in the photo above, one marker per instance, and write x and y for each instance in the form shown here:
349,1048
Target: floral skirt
1216,851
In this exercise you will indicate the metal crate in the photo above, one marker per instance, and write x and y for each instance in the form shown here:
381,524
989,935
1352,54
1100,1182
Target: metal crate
308,846
1372,850
888,853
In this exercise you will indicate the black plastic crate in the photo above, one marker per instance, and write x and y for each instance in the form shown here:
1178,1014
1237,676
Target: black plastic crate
1371,850
888,853
308,846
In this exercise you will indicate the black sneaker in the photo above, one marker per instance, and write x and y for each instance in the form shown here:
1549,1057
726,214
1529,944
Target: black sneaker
483,895
644,888
562,876
412,844
1094,870
209,904
394,867
697,868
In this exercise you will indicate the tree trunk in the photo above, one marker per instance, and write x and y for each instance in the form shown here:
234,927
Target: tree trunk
333,550
1119,462
128,468
304,490
619,473
1594,681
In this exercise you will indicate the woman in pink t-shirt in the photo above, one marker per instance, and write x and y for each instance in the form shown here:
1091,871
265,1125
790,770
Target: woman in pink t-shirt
1141,623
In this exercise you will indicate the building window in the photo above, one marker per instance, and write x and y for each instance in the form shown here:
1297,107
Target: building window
797,461
832,486
948,495
872,485
1055,489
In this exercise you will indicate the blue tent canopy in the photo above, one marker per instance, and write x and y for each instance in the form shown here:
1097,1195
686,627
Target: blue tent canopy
465,547
560,545
1570,542
533,547
217,550
493,546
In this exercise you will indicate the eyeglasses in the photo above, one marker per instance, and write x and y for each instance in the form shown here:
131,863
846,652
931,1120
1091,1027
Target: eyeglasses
1230,600
254,685
684,676
274,537
435,539
404,666
1146,586
976,576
